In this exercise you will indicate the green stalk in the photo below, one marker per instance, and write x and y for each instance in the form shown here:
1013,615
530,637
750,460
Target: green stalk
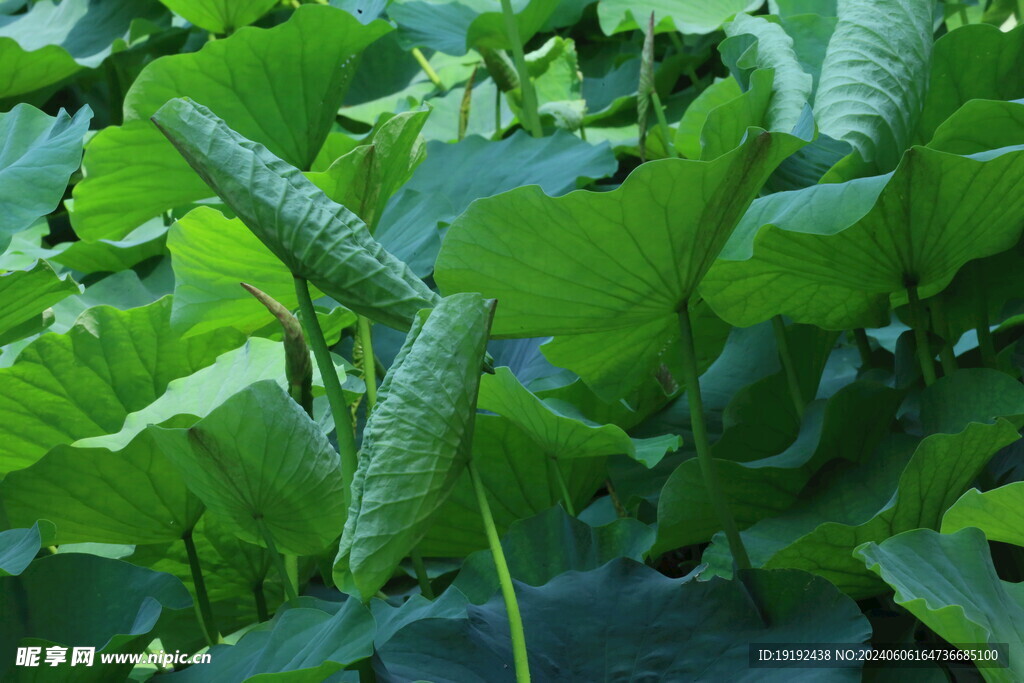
700,439
369,366
563,489
924,356
532,118
335,397
260,599
792,381
659,112
427,69
206,620
941,327
421,575
515,620
289,588
863,347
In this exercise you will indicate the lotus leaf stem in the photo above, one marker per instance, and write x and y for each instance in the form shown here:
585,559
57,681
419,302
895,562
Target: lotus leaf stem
531,119
206,620
920,324
788,365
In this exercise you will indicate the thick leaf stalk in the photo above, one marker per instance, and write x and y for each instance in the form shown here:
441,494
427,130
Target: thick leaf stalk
206,619
920,322
520,657
332,385
530,112
369,362
788,365
700,438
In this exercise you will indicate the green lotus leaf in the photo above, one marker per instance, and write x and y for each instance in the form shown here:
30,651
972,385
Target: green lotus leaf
997,512
211,255
948,581
303,645
551,543
981,125
685,16
110,364
506,247
54,40
117,614
38,154
454,175
25,294
849,425
975,62
198,394
520,483
287,83
874,77
658,629
914,496
416,442
18,547
688,133
559,435
133,496
316,238
260,461
364,179
220,16
838,265
773,49
455,26
970,395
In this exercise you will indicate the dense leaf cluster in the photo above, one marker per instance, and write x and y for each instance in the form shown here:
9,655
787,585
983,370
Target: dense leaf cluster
579,340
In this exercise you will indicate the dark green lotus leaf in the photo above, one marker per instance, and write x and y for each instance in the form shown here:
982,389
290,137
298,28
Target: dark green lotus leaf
364,179
24,294
948,581
540,548
839,274
454,175
18,547
416,442
874,77
562,435
316,238
110,364
300,645
975,62
38,154
997,512
941,468
520,483
54,40
259,460
284,87
455,26
970,395
849,425
657,629
685,16
93,495
220,16
115,614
